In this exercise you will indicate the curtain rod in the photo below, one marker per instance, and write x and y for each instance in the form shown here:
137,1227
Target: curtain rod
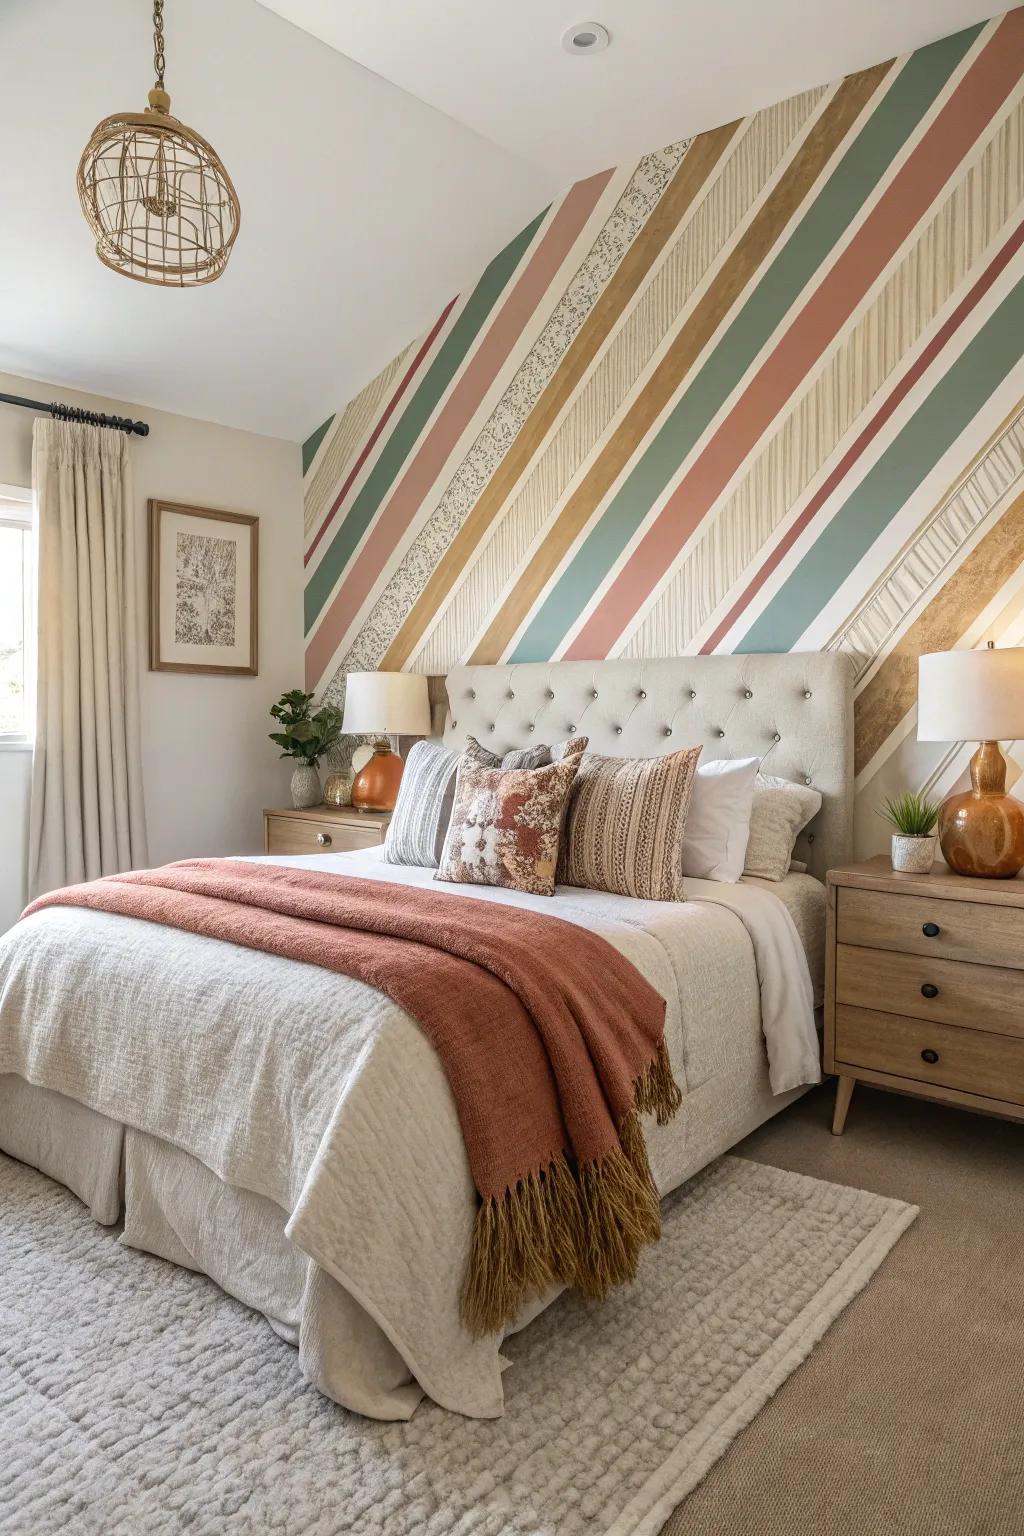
75,413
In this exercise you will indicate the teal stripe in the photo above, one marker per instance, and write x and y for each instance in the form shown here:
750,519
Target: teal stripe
862,167
403,438
312,443
954,402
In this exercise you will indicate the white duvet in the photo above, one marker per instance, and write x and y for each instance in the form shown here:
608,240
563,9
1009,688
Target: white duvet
318,1093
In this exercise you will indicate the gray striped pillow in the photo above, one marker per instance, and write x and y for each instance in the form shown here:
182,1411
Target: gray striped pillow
527,757
417,828
624,829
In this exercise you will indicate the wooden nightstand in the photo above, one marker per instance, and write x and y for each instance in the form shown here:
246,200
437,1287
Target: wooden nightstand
323,829
925,987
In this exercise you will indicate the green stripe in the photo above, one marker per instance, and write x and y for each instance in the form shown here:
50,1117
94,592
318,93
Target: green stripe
953,403
403,438
312,443
829,216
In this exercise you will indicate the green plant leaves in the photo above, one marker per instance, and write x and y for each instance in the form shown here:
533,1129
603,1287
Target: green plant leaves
306,735
912,814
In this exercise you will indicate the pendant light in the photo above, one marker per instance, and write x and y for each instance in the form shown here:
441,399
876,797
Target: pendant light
155,194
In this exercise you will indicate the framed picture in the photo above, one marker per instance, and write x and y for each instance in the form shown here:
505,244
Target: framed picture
203,590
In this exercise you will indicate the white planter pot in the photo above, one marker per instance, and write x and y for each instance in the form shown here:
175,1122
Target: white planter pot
305,787
913,855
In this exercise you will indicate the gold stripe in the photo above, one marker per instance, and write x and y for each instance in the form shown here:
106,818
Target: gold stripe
885,700
694,170
750,252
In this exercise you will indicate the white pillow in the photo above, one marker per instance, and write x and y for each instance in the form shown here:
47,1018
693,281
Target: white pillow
718,820
780,811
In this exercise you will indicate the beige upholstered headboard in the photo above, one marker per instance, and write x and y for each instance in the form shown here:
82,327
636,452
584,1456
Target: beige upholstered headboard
794,711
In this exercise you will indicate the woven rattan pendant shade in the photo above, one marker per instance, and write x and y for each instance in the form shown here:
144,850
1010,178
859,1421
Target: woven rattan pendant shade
156,195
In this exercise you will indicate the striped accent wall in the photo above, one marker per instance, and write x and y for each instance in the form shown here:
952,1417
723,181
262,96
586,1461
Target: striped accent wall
762,391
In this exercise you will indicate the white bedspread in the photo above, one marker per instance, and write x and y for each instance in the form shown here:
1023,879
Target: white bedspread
318,1093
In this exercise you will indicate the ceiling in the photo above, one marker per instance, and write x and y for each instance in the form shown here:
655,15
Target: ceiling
382,152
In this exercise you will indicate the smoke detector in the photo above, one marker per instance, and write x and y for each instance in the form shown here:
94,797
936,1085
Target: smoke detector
586,37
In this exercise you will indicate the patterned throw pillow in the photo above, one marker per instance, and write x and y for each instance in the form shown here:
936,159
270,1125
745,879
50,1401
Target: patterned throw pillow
505,826
528,757
624,831
780,811
416,831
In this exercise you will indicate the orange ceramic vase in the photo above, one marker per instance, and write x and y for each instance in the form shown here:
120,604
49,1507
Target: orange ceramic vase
375,786
982,832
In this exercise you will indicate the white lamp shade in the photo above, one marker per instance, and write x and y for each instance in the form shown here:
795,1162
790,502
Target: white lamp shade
971,696
386,703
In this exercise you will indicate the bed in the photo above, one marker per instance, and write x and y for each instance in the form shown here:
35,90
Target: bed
291,1134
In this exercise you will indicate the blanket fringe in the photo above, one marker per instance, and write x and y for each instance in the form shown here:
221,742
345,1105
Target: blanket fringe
582,1225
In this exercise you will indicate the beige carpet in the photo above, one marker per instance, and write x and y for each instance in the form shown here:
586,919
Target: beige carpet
137,1399
908,1418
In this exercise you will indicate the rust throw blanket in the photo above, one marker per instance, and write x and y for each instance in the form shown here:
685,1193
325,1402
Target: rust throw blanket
552,1043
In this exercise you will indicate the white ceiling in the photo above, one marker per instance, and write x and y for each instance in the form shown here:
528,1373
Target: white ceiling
674,67
383,150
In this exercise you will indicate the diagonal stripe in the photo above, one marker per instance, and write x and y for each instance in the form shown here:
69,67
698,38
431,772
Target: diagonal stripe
708,314
892,691
692,175
865,437
421,407
456,414
312,443
906,198
389,410
955,400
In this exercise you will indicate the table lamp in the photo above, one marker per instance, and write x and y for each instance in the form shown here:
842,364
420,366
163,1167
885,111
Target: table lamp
384,704
977,696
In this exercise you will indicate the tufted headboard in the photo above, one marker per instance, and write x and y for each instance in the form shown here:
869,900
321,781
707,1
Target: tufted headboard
794,711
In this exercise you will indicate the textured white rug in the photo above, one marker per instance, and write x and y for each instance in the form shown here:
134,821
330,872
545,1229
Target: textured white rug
138,1398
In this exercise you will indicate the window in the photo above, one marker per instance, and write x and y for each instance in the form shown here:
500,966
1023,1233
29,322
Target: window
17,556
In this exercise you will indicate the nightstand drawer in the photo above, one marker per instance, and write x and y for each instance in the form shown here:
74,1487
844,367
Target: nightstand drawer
921,925
977,997
966,1059
286,834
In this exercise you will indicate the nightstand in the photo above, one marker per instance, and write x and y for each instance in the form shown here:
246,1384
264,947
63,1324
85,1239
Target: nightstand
323,829
925,987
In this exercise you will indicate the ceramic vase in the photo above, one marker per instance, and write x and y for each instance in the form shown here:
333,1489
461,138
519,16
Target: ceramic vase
913,855
305,786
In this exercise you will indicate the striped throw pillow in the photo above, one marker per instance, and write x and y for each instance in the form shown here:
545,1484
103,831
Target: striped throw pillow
624,829
526,757
417,828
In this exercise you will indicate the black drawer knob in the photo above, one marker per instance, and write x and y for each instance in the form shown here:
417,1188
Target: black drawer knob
929,989
931,1057
930,930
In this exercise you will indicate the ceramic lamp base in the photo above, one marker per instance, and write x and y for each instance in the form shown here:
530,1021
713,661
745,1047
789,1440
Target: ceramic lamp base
375,786
981,832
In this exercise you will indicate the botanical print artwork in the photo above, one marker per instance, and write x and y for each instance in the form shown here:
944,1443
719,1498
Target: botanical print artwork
505,826
205,589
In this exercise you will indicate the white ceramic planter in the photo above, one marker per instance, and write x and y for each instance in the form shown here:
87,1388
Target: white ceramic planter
913,855
305,786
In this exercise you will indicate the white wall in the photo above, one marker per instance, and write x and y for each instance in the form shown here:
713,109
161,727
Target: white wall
208,766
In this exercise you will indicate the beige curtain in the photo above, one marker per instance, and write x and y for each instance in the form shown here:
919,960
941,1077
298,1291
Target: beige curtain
87,817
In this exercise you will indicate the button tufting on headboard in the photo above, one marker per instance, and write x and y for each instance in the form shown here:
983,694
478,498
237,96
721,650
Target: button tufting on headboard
796,716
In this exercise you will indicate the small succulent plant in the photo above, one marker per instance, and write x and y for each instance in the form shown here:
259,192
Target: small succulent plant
912,815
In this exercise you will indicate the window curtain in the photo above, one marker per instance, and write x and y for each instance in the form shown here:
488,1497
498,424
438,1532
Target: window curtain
87,817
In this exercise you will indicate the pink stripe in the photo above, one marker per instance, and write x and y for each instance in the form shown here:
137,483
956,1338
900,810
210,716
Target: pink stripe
378,429
476,380
874,426
908,196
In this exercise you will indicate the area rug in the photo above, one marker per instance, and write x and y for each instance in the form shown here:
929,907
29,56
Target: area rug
137,1398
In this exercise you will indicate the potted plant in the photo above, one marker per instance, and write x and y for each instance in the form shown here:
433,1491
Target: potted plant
913,842
305,735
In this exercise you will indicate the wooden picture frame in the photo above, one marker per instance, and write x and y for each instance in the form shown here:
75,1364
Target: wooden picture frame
203,590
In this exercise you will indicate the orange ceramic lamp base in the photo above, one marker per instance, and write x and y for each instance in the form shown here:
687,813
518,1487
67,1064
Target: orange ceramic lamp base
982,832
375,786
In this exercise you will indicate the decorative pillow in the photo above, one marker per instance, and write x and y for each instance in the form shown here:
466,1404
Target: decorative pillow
526,757
780,811
624,830
505,826
416,830
718,820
